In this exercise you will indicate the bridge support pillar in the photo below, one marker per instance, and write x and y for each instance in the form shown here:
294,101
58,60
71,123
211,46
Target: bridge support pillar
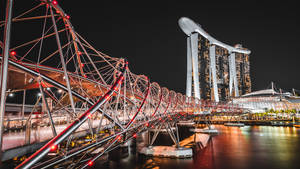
166,151
4,68
23,105
209,129
47,109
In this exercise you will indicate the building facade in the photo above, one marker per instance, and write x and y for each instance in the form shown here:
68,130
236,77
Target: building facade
216,71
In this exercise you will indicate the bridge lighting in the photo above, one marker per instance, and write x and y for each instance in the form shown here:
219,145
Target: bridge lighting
59,91
13,53
107,97
134,135
85,76
82,65
90,163
115,88
39,94
30,80
68,16
54,2
11,94
48,88
119,137
89,115
53,147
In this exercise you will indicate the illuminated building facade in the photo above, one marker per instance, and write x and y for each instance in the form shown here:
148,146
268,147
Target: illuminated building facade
215,70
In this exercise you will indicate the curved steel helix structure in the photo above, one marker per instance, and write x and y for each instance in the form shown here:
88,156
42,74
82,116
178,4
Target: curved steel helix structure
94,91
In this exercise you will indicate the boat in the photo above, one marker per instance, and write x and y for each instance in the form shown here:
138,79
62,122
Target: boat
206,130
234,124
281,123
296,124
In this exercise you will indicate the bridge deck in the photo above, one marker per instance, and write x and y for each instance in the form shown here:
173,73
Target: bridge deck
14,143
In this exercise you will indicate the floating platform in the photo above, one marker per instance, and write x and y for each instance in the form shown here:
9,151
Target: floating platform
186,123
234,124
163,130
167,151
205,130
282,123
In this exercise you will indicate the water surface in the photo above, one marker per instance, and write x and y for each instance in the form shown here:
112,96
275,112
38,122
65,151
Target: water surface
249,147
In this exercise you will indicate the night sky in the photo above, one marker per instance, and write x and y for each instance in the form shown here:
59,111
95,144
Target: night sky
148,35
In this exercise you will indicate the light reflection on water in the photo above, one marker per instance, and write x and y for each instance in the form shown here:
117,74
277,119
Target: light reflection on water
249,147
252,147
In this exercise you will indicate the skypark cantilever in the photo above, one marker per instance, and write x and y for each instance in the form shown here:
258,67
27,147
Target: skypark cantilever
211,61
188,27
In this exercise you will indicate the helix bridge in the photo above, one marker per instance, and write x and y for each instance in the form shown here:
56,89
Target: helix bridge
93,91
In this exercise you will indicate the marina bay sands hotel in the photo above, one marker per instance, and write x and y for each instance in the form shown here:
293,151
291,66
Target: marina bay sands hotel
215,70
